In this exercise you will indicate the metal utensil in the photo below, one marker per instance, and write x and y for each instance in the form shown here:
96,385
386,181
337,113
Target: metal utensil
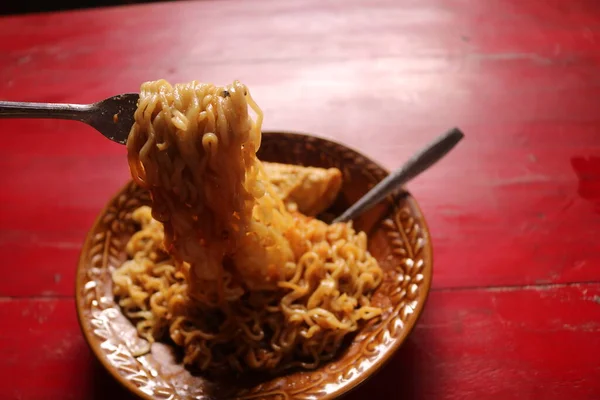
418,163
112,117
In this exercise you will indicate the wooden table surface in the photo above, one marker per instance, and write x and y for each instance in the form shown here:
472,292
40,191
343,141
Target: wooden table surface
514,211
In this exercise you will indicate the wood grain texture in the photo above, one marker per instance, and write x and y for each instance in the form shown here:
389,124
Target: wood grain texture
517,203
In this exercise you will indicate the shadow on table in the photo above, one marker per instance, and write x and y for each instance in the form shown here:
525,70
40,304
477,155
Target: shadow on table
105,386
399,378
24,7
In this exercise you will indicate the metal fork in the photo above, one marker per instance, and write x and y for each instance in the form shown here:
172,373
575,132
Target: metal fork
112,117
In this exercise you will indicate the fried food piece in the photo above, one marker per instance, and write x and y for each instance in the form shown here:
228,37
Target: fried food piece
309,190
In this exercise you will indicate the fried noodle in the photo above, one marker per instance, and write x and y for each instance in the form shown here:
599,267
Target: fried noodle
219,265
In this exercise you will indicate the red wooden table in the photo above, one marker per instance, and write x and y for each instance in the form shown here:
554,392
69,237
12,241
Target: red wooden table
514,211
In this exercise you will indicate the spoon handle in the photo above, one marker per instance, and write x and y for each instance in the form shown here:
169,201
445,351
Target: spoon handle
418,163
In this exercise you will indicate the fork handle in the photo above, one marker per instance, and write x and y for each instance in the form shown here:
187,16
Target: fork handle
424,159
17,109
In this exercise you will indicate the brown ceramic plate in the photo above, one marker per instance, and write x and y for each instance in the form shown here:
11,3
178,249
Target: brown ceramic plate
398,238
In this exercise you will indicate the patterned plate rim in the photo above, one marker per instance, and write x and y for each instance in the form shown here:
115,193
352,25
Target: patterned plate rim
408,325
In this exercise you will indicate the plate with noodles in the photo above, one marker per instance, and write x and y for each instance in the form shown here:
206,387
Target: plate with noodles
215,273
